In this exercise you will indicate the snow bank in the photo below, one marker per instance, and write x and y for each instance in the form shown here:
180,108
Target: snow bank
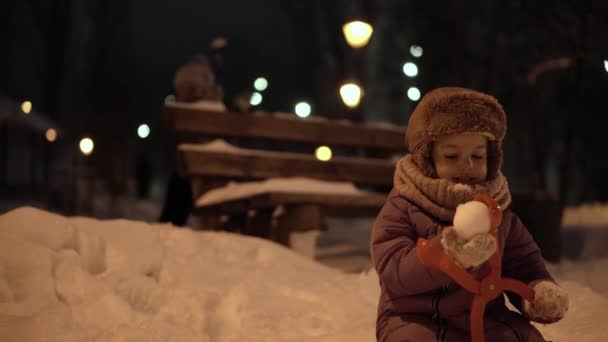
79,279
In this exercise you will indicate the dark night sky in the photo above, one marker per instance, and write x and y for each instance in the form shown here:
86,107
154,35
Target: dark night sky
260,36
102,67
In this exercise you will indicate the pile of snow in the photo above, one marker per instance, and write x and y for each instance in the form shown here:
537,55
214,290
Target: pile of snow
80,279
235,190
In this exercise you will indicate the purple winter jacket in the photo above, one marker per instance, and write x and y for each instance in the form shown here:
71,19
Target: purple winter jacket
419,304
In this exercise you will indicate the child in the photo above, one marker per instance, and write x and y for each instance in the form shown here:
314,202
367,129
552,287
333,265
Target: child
454,138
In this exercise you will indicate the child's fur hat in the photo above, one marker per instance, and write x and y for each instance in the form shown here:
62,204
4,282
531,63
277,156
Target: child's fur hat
452,110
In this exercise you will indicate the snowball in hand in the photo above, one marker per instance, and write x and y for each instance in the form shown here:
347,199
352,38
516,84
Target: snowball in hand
471,218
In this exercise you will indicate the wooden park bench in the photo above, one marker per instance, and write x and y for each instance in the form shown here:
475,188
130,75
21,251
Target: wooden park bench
281,147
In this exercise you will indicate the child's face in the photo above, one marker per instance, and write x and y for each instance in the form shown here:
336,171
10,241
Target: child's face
461,158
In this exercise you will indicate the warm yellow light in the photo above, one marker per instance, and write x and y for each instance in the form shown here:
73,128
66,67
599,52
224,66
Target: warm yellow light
26,107
357,33
86,146
323,153
51,135
351,94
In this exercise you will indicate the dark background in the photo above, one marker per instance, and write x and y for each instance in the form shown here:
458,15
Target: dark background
102,67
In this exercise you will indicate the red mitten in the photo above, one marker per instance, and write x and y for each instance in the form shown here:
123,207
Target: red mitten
468,253
550,303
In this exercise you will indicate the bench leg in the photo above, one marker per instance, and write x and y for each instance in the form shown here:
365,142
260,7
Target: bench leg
260,224
236,223
299,226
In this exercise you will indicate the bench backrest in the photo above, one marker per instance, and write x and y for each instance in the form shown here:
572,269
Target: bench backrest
190,123
368,165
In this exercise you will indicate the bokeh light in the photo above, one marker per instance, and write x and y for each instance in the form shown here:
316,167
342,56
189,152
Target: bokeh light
143,131
303,109
357,33
410,69
26,107
416,51
50,135
323,153
86,146
256,99
413,94
351,94
260,84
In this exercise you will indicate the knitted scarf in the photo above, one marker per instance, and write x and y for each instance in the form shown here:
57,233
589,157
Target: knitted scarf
440,197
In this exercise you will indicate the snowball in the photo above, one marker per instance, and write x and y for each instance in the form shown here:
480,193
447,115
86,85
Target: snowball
471,218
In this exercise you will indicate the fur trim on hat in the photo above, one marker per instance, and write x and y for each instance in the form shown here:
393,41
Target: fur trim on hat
452,110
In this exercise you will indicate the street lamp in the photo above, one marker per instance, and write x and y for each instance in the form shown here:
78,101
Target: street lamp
323,153
303,109
357,33
413,94
351,94
26,107
86,146
410,69
143,131
260,84
51,135
416,50
256,99
606,65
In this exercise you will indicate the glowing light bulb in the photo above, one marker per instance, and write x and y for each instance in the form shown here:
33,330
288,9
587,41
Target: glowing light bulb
413,94
256,99
143,131
26,107
303,109
357,33
51,135
410,69
323,153
416,51
86,146
351,94
260,84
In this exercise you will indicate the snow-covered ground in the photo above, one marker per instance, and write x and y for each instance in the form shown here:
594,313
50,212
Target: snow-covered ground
80,279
